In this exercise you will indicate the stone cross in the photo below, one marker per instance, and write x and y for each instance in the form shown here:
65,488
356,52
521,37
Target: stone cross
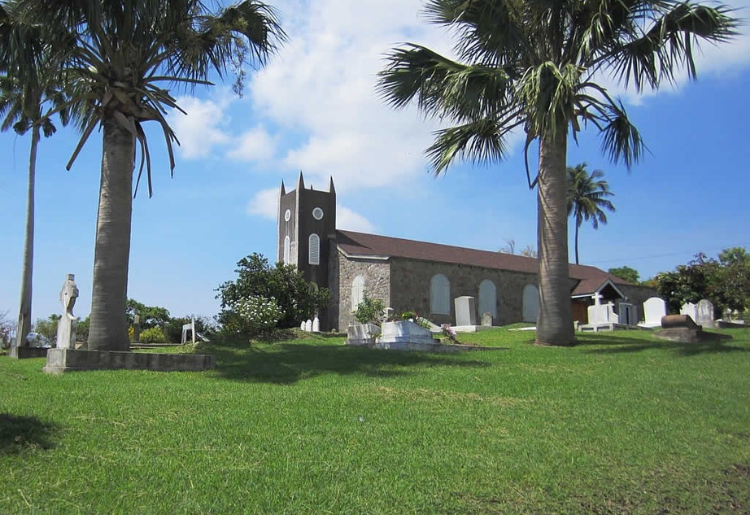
66,327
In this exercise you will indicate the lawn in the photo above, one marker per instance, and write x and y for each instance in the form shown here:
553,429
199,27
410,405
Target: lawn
620,424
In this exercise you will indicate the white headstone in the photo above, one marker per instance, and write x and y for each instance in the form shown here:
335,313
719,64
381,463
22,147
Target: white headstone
705,313
316,325
66,327
653,310
603,314
302,326
308,325
466,313
689,309
486,319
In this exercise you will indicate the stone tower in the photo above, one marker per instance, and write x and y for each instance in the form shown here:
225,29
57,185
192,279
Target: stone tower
306,229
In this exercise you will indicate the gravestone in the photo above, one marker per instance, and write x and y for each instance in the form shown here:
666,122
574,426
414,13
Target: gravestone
705,313
308,325
653,309
362,334
466,313
137,328
486,319
600,314
66,326
682,329
690,310
302,326
316,325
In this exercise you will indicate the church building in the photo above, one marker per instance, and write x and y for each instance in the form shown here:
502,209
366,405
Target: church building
425,277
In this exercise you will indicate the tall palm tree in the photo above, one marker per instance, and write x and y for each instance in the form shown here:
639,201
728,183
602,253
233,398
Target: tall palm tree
532,65
586,198
30,90
121,54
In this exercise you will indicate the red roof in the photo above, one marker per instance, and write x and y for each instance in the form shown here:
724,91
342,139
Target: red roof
357,244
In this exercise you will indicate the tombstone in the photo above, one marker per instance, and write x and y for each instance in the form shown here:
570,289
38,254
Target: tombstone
308,325
704,312
486,319
137,328
602,314
466,313
653,309
387,314
682,329
316,325
302,326
362,334
188,328
689,309
66,327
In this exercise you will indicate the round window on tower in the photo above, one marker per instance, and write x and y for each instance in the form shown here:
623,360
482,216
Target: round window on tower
287,215
317,213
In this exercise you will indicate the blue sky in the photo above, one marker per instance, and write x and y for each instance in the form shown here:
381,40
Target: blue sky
314,108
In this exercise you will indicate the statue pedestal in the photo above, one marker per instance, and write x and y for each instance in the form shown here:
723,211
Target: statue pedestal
71,360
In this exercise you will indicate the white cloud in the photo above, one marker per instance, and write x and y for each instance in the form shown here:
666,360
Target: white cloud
265,204
201,129
254,145
348,220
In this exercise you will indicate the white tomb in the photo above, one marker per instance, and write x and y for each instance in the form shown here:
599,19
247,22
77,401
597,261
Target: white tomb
653,311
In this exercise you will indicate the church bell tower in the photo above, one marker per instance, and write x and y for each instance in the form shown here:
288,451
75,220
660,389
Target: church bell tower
306,227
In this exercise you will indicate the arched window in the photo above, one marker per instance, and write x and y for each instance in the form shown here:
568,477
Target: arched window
358,291
530,303
488,298
287,250
314,249
440,295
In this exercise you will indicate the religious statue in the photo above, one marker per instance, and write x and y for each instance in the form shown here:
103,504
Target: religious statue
66,327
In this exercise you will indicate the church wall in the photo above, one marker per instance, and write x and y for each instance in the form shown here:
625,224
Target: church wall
342,273
637,295
410,288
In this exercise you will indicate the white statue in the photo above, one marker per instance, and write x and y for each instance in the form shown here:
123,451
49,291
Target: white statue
66,327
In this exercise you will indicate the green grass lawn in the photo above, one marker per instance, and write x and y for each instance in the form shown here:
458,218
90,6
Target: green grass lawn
620,424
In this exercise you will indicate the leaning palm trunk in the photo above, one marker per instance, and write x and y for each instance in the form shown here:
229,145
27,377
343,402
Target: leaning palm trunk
578,226
555,319
24,313
109,329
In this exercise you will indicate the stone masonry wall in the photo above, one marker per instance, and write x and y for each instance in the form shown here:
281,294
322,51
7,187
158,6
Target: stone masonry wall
637,295
410,288
377,285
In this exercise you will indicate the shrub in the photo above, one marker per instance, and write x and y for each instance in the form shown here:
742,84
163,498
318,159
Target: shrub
254,315
153,335
297,298
369,311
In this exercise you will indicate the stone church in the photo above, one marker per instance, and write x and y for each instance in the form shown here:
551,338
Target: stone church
421,276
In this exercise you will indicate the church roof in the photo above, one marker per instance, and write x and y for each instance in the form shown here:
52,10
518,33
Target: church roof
355,244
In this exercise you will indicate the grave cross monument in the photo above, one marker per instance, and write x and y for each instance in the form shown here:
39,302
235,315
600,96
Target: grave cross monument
66,327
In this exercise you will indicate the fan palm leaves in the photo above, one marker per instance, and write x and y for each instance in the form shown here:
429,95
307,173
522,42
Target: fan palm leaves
31,90
123,57
533,66
587,198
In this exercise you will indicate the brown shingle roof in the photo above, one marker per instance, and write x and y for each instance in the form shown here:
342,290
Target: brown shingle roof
357,244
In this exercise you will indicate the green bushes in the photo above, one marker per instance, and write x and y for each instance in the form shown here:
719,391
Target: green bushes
153,335
253,316
369,311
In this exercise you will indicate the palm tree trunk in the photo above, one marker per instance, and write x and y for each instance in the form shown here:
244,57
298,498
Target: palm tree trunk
578,226
109,330
24,312
555,320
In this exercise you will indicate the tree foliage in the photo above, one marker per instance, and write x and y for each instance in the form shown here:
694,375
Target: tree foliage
370,311
297,298
533,66
150,316
631,275
725,282
587,198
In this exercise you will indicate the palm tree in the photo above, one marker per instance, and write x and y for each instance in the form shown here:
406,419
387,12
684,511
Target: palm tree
532,65
586,198
121,53
30,89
